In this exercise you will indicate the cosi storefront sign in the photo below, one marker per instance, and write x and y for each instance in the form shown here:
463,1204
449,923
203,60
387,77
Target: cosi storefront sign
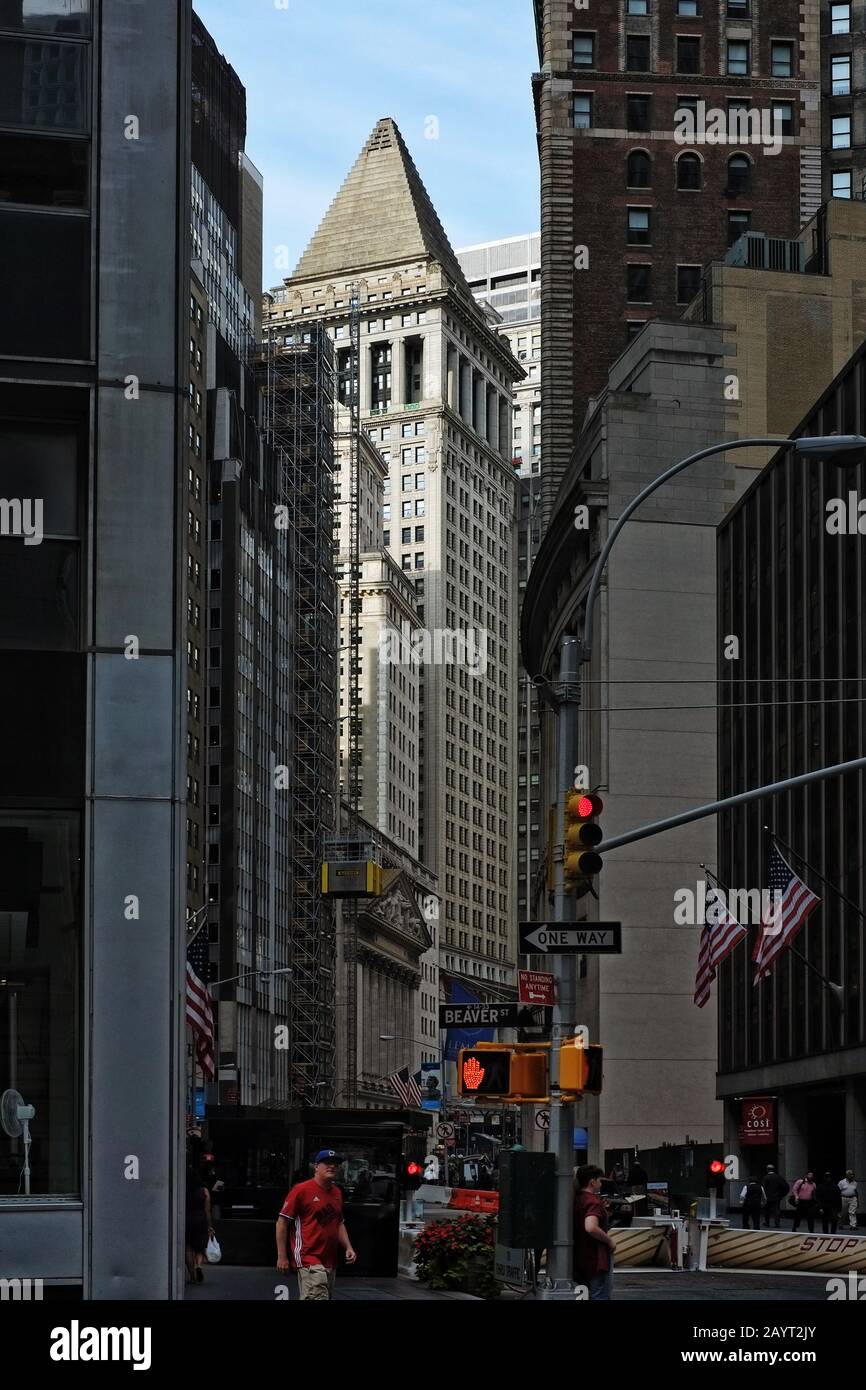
757,1120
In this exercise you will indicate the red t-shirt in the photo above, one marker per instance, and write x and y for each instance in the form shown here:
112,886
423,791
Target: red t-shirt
316,1214
591,1257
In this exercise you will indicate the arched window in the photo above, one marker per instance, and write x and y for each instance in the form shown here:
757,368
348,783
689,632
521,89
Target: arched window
688,171
639,169
739,174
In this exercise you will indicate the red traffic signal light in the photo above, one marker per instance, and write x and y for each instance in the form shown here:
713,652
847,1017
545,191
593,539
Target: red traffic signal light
484,1072
582,832
413,1169
717,1166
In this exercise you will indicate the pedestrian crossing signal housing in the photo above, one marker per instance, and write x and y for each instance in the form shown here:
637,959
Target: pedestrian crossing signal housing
579,861
581,1068
506,1073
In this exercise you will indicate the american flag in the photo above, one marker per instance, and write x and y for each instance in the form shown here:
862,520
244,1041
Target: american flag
199,1013
791,903
407,1087
720,935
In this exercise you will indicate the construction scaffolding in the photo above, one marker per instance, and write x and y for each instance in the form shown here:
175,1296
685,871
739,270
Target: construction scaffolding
298,366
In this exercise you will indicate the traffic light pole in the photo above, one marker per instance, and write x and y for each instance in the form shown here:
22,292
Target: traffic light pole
560,1255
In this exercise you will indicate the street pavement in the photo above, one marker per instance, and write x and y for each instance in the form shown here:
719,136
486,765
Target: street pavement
242,1283
253,1284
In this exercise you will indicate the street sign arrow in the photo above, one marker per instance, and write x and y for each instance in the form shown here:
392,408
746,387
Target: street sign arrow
568,938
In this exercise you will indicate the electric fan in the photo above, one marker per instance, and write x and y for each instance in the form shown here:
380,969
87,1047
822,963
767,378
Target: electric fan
15,1119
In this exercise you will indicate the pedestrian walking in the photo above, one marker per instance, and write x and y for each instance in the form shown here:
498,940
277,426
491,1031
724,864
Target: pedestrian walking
753,1198
593,1247
803,1194
312,1215
829,1200
199,1224
850,1199
776,1189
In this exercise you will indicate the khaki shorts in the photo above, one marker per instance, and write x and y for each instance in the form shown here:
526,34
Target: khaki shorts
314,1281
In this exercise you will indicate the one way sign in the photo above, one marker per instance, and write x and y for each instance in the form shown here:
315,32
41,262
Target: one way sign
566,938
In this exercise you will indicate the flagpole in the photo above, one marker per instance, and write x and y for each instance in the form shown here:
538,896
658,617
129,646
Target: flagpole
836,991
813,870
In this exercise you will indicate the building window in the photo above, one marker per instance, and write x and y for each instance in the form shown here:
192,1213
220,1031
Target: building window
637,7
638,284
688,171
407,509
783,117
638,227
633,327
739,174
841,132
841,183
406,535
583,50
637,112
738,223
840,73
637,52
419,534
688,54
386,537
639,169
688,9
738,9
840,19
582,111
782,59
419,560
738,57
381,383
688,283
419,506
420,482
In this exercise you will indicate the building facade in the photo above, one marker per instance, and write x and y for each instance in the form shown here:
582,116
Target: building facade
435,399
636,194
94,385
843,97
506,277
791,588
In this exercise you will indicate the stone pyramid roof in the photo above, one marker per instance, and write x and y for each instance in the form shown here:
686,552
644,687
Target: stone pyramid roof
382,214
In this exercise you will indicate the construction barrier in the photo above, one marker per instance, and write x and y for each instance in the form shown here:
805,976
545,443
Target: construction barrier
468,1199
738,1249
641,1245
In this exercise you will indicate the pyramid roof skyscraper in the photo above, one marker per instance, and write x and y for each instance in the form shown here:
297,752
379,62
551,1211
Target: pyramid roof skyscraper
381,215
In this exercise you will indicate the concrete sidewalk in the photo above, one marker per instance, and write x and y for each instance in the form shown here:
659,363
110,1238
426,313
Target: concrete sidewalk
243,1283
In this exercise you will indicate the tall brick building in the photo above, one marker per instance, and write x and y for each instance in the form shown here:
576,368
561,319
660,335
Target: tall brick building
631,213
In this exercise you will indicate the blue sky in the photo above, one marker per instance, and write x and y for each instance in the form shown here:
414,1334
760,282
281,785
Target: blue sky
320,73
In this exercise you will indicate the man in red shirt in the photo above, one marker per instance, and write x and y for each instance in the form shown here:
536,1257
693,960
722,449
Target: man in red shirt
312,1215
593,1247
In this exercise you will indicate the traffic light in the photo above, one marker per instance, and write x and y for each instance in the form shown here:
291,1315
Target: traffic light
716,1176
579,862
413,1171
580,1068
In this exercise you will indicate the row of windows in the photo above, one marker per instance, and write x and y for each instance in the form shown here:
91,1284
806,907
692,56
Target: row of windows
738,55
689,171
638,113
693,9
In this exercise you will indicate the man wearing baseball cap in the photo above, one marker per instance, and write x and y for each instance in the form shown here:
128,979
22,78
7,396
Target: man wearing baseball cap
313,1215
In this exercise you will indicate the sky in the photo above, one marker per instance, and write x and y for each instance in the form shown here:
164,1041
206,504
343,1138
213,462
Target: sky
454,74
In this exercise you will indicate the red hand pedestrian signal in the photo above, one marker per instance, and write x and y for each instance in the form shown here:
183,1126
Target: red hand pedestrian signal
473,1073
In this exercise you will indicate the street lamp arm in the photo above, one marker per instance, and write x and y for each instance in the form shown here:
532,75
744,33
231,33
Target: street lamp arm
586,643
